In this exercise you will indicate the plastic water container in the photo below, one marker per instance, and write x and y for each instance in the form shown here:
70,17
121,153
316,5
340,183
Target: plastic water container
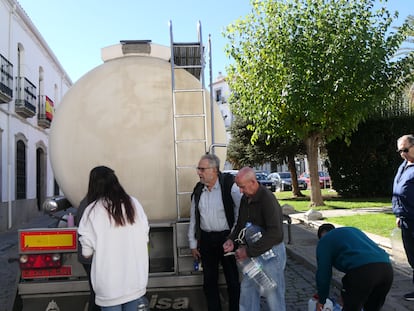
253,234
253,267
330,304
253,270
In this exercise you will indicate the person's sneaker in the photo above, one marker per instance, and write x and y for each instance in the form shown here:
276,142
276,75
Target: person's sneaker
409,296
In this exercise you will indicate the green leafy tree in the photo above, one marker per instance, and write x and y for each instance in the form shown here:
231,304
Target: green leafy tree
313,70
240,152
409,48
408,44
405,102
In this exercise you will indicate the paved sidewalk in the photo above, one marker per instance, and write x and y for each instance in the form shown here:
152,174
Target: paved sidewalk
303,247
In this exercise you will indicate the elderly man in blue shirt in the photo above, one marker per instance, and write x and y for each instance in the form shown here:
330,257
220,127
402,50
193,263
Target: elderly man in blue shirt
403,198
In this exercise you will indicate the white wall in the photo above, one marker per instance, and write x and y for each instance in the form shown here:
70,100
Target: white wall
16,29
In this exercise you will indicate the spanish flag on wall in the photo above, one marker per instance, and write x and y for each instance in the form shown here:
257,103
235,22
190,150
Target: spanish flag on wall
49,109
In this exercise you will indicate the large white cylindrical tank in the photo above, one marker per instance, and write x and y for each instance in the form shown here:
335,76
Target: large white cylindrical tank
120,114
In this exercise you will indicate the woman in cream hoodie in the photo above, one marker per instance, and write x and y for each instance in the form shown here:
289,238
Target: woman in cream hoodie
114,230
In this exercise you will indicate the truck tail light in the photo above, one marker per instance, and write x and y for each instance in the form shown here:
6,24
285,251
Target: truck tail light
37,261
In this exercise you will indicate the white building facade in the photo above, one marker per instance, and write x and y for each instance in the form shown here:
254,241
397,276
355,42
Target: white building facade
221,93
32,83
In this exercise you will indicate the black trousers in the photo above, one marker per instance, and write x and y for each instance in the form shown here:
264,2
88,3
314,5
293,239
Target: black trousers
92,305
407,234
366,287
212,254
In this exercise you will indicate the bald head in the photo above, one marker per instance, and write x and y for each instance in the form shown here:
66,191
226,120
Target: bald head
246,173
246,180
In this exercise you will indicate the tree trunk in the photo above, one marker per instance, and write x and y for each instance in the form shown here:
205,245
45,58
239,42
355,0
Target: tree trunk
292,169
312,147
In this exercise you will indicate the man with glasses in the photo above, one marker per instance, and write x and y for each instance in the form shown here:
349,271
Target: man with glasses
403,199
214,209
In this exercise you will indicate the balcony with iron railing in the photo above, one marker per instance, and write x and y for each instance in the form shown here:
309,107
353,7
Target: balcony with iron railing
45,111
25,104
6,80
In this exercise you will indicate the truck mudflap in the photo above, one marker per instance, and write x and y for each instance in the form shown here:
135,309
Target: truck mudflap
71,302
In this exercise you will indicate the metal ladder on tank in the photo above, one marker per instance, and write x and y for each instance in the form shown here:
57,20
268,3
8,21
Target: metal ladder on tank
188,56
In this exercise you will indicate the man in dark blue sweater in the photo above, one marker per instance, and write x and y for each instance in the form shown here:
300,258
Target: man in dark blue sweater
403,198
367,267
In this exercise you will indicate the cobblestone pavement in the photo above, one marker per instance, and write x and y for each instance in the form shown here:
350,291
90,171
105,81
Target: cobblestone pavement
300,285
303,246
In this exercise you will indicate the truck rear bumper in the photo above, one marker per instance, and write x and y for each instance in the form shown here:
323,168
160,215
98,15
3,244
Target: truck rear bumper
175,281
54,288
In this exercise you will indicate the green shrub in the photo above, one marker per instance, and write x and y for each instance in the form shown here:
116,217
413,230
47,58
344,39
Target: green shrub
366,167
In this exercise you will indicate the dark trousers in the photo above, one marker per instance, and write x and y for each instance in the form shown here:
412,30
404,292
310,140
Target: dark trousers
407,234
211,250
366,287
92,304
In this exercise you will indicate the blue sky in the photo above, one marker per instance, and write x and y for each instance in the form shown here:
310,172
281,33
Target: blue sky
76,30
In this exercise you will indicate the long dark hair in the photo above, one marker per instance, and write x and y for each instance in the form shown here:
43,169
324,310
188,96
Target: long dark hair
105,186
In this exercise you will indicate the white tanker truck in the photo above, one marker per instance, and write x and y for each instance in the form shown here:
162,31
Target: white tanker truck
149,118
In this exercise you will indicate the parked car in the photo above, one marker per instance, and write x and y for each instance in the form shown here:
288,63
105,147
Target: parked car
263,179
233,172
324,179
284,179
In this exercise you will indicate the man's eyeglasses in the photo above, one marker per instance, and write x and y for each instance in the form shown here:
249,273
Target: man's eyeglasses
405,150
202,169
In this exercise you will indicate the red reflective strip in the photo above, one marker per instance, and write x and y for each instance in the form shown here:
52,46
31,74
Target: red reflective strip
43,273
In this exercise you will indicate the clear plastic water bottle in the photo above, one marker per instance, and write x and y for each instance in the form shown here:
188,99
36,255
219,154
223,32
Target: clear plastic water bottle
253,234
328,306
253,270
312,304
253,267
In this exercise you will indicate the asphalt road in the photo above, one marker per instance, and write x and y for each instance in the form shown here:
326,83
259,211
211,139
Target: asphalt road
8,270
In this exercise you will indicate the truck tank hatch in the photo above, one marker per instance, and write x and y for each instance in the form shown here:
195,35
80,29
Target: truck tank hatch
161,249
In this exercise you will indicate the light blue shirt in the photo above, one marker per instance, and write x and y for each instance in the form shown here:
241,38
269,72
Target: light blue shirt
212,215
